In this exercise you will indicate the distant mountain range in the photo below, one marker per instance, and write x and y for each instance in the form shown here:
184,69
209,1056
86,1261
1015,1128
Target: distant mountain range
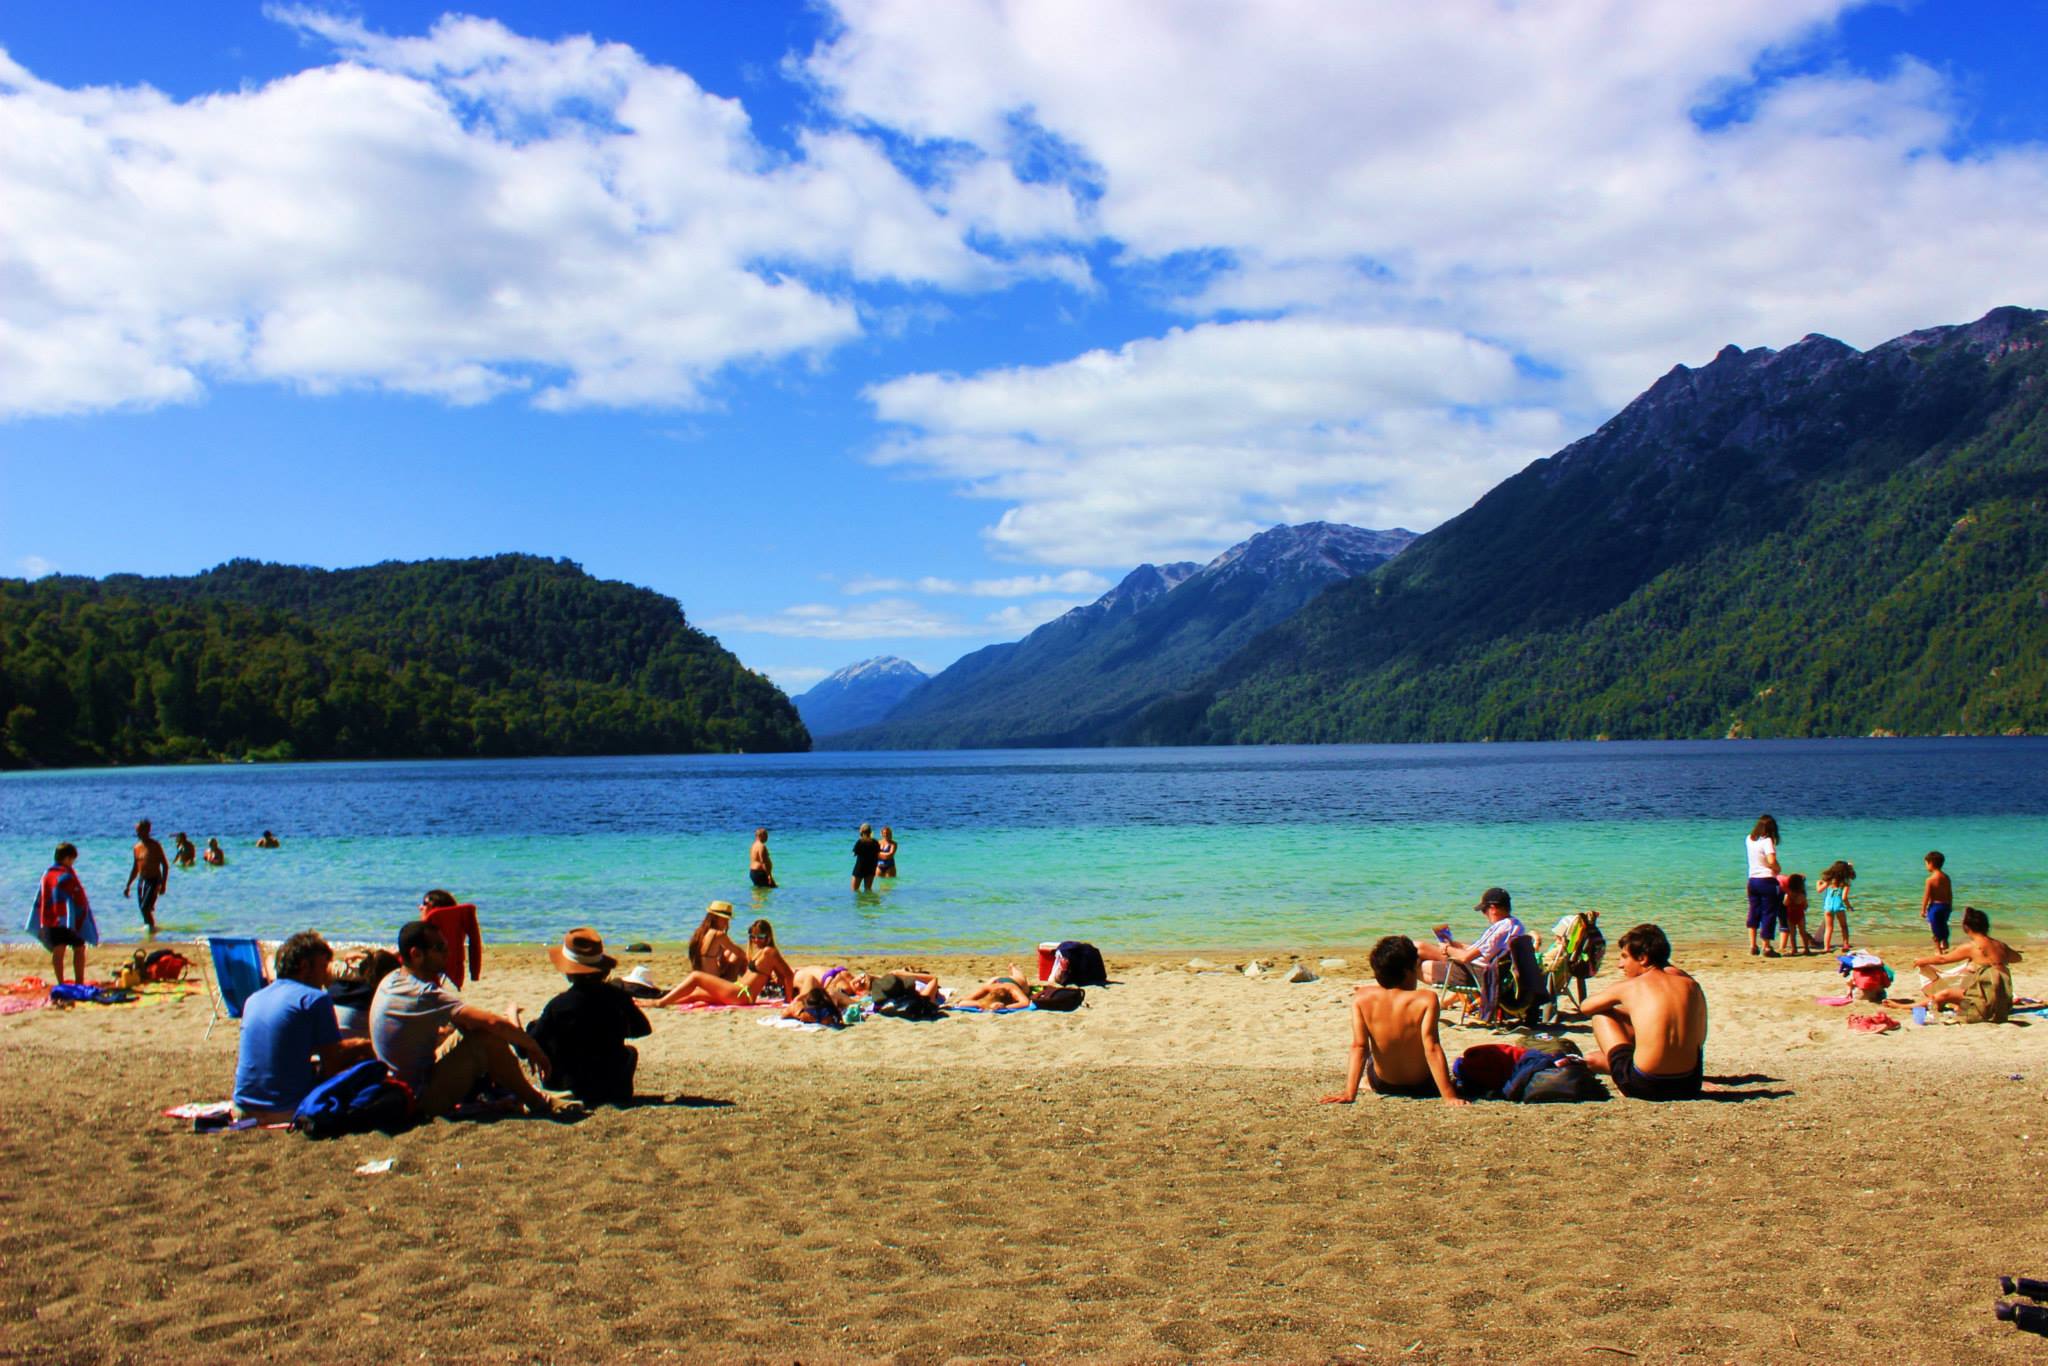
1079,679
1814,541
858,695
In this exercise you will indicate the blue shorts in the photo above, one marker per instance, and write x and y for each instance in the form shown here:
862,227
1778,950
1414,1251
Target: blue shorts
1766,906
1937,919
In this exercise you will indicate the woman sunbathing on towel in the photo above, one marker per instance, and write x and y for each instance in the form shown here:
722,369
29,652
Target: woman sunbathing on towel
999,993
815,1006
842,984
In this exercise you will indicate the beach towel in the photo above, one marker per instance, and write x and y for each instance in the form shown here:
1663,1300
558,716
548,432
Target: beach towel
1841,1000
1987,996
709,1005
1873,1024
987,1010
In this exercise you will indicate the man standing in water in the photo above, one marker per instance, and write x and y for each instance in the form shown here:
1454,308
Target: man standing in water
760,867
1652,1027
149,876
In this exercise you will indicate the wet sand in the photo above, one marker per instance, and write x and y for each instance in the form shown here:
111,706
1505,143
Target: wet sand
1148,1179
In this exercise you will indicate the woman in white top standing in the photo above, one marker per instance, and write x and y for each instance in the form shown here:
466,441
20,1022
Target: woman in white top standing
1766,897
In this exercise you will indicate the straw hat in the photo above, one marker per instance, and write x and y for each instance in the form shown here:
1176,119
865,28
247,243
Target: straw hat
721,909
582,951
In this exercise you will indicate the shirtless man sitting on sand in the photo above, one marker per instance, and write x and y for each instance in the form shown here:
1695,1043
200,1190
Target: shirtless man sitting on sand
1652,1025
1394,1047
1983,994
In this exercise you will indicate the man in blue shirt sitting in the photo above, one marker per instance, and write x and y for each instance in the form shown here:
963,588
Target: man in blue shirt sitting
290,1041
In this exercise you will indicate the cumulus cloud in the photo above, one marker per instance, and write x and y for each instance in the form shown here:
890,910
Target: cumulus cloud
1173,447
463,214
1599,189
35,566
888,619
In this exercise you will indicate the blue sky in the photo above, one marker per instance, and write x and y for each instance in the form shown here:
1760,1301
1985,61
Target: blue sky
880,327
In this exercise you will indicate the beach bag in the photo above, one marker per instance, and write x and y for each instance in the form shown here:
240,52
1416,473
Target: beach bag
355,1101
1563,1080
1486,1067
1058,998
164,965
1076,964
897,997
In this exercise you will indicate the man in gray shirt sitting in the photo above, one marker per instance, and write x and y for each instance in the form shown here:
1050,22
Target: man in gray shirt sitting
413,1014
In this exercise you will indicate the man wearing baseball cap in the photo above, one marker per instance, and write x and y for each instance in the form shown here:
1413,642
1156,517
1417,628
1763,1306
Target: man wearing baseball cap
1445,959
586,1027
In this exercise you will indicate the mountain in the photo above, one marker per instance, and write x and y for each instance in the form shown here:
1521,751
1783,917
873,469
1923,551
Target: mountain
1814,541
1077,679
512,655
858,695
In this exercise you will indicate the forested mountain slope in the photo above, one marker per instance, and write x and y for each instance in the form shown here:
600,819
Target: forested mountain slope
510,655
1815,541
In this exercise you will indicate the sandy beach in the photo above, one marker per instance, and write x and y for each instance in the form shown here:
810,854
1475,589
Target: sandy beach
1148,1179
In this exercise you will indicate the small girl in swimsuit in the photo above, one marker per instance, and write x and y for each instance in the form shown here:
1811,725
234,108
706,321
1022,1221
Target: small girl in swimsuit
886,867
1834,904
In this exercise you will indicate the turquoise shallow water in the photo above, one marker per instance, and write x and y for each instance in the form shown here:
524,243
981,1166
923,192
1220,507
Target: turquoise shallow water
1137,849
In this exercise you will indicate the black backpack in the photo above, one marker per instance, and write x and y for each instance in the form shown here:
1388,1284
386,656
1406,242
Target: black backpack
1058,998
1083,966
897,997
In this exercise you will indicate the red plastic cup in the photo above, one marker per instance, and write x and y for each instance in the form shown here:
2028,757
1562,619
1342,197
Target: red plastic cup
1046,953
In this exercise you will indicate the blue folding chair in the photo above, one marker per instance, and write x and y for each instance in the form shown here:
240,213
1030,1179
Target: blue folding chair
240,970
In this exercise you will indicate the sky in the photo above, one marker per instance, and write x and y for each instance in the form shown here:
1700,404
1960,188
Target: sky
883,327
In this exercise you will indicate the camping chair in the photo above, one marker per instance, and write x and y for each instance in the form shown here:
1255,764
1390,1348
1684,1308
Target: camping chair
1573,960
240,970
1512,987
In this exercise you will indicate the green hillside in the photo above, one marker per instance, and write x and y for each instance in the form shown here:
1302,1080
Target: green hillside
1809,542
513,655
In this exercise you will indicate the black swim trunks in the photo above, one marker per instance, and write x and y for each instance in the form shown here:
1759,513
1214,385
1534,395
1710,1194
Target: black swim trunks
1621,1065
1419,1090
760,879
59,937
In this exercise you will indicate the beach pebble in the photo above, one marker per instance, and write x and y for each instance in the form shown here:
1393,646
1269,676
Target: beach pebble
1200,965
1332,963
1254,969
1299,973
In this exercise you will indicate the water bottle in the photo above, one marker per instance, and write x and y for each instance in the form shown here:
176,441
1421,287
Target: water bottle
2028,1318
2022,1285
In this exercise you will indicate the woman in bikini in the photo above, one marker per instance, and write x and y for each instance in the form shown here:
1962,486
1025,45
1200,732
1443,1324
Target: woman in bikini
711,948
885,866
766,967
999,993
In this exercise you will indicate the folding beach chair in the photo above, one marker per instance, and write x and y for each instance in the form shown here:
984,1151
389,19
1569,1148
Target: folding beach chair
240,970
1512,990
1573,959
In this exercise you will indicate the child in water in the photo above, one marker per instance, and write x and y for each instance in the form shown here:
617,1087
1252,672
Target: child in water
1834,904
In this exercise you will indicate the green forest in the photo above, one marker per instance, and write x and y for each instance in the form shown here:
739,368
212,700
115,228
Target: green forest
1814,543
500,657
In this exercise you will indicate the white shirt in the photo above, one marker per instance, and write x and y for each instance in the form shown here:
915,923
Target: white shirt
1761,849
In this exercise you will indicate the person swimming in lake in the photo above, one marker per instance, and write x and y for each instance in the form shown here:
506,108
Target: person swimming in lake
885,858
867,852
215,855
269,841
188,853
711,948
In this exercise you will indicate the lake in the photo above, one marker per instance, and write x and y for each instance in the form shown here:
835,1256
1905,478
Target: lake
1144,848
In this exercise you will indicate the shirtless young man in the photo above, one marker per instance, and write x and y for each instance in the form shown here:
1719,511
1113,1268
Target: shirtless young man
1983,995
151,870
1652,1026
1936,898
760,867
1394,1047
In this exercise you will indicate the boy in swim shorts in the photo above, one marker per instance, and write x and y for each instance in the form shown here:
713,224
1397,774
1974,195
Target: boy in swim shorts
1935,900
1394,1046
1652,1026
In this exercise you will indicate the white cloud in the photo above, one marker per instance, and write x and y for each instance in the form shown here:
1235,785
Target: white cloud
1174,447
1603,188
795,678
35,566
1019,586
461,215
890,619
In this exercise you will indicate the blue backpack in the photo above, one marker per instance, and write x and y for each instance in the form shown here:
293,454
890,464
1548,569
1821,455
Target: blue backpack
355,1101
